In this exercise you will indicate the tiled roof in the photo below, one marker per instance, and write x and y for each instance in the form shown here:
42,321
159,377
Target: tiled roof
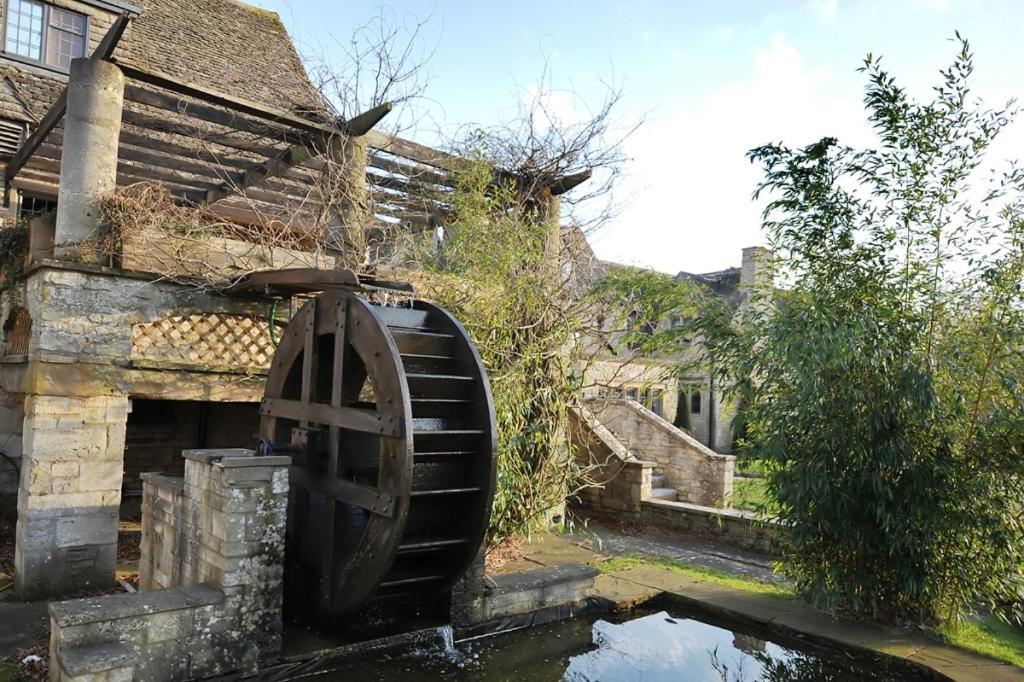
222,45
228,46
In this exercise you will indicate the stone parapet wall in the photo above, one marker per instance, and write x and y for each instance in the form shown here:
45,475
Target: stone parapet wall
211,575
735,527
698,474
621,480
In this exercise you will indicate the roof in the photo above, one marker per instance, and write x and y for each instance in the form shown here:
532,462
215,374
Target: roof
223,45
724,283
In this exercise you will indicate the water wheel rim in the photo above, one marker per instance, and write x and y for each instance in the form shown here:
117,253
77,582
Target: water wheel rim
347,581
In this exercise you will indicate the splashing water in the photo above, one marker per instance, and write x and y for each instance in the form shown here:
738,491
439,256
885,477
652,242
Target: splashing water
447,639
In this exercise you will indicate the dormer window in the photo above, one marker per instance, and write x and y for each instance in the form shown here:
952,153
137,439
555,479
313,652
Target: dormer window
42,33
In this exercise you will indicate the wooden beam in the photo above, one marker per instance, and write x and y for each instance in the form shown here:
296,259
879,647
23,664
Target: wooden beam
183,128
52,117
416,172
567,182
236,104
364,122
255,175
417,152
212,114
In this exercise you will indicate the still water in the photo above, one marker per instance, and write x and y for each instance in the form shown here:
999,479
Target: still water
653,647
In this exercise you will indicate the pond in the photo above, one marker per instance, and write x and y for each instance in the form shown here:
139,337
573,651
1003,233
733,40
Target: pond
653,645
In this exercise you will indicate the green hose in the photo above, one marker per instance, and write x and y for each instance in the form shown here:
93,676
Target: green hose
273,322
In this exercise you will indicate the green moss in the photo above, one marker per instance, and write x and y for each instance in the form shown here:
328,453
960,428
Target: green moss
699,573
269,14
989,637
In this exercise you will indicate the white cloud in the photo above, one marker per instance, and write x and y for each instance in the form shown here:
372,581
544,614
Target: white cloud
690,177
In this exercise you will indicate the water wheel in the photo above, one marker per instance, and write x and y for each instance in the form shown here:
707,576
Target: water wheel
387,414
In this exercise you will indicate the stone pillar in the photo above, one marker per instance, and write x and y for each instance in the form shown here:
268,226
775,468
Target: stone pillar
346,236
69,494
231,535
88,170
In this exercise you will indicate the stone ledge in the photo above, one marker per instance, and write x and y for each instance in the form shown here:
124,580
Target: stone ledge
176,483
91,660
713,512
118,606
230,458
543,577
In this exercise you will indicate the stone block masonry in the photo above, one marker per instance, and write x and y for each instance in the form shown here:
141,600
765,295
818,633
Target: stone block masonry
210,573
70,490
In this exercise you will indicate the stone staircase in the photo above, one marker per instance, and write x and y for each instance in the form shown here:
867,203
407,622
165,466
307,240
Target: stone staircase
659,490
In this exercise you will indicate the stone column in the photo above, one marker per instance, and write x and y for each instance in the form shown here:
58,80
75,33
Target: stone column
88,170
69,494
346,238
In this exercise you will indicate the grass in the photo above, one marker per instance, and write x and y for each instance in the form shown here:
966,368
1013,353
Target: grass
989,637
749,493
700,573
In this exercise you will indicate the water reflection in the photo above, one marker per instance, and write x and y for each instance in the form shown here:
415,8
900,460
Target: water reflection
655,647
660,648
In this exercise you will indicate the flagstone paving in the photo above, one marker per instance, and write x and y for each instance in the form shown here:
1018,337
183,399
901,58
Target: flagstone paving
635,585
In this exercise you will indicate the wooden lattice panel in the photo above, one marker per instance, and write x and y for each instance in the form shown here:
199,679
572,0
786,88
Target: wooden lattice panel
219,341
19,331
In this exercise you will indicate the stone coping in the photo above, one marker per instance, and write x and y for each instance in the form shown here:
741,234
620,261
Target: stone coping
114,607
713,512
235,457
91,660
523,581
176,483
602,433
793,620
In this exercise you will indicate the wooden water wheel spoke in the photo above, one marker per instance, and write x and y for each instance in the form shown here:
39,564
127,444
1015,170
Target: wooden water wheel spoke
351,418
388,414
364,496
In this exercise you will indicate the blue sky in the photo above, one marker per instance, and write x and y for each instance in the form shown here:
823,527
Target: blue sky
711,80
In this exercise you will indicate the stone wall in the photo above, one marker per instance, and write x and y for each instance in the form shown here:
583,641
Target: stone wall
76,379
698,474
69,494
210,574
622,481
735,527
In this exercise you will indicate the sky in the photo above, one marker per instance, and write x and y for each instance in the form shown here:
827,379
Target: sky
707,81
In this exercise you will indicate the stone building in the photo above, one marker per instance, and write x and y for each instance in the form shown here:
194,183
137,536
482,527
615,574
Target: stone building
110,367
619,373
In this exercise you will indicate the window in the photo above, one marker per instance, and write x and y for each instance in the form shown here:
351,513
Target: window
695,402
631,393
45,34
657,405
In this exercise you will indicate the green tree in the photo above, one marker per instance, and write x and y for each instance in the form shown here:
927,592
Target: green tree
882,382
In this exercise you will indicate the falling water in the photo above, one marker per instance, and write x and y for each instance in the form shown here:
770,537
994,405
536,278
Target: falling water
447,639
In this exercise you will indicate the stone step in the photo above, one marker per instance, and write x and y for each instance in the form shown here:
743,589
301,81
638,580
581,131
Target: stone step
657,481
669,494
107,661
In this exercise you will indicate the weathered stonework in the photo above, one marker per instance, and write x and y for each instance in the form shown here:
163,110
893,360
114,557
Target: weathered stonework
76,379
210,574
699,475
69,494
735,527
623,480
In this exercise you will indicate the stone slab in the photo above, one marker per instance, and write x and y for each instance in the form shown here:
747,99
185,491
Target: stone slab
90,660
547,576
114,607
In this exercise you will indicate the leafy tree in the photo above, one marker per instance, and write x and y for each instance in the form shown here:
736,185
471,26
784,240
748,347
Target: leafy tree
883,381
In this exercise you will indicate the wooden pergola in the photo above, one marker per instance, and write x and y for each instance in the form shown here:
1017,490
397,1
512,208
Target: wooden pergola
245,161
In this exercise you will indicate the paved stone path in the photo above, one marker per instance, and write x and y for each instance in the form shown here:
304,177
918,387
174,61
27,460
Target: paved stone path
694,552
